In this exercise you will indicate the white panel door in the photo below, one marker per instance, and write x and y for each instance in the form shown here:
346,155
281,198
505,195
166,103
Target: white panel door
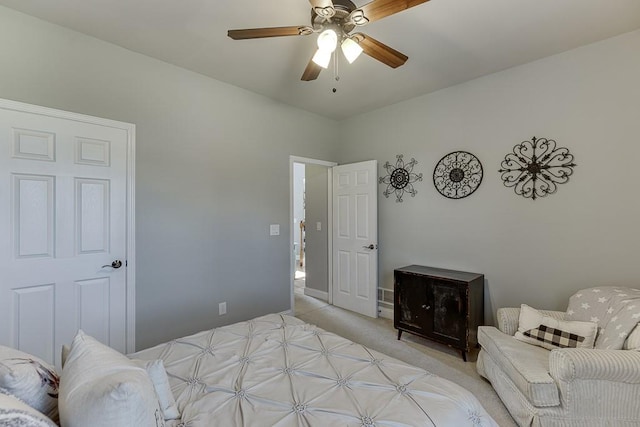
63,218
355,237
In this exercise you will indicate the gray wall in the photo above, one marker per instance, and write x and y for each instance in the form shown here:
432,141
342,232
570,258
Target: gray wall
536,252
316,241
212,171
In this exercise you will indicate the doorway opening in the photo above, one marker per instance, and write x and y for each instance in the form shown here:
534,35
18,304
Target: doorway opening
338,236
299,190
310,231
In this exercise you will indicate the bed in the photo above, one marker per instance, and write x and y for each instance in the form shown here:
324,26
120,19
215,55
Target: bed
277,370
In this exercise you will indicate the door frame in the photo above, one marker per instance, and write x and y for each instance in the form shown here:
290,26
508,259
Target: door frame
130,130
329,227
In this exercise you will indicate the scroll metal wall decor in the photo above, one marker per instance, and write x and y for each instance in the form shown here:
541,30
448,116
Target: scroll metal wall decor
457,175
400,178
536,167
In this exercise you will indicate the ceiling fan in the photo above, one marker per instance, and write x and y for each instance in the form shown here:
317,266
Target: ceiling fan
334,21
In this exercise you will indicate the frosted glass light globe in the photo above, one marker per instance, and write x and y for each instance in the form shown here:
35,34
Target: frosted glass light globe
351,50
327,41
322,58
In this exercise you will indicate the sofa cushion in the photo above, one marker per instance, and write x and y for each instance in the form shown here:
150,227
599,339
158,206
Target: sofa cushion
526,365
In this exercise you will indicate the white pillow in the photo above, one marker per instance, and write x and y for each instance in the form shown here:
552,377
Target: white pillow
633,341
157,373
30,379
545,331
14,412
100,387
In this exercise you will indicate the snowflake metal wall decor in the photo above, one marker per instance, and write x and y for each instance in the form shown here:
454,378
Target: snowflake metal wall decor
457,175
536,167
400,178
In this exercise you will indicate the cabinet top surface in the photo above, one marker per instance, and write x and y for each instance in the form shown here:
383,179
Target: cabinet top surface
440,272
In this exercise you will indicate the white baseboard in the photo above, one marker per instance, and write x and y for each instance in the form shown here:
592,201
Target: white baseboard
321,295
385,312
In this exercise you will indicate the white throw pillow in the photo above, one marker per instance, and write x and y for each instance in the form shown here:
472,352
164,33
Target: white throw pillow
16,413
545,331
100,387
633,341
157,373
30,379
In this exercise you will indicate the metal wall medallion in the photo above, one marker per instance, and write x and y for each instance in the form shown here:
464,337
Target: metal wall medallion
536,167
457,175
400,178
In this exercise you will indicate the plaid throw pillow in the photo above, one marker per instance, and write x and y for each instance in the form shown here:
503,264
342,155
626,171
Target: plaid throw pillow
555,337
551,333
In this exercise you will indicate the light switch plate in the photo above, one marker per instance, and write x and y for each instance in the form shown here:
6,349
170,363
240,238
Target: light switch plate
274,230
318,226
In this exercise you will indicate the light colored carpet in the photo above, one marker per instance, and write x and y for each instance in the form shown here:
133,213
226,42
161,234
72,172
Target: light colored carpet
379,334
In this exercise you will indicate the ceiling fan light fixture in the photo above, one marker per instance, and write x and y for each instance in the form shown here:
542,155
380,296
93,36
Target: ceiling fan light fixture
351,49
322,57
328,40
333,21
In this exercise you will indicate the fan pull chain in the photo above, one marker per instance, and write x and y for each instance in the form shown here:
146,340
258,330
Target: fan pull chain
335,69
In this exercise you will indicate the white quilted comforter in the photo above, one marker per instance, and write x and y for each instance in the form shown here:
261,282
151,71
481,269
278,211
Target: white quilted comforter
277,370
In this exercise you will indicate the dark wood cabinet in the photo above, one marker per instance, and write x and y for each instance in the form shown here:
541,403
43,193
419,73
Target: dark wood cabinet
442,305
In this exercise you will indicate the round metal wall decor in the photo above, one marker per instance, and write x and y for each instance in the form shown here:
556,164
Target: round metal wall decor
535,168
400,178
457,175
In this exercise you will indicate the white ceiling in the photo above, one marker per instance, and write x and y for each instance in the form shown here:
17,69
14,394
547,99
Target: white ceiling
447,41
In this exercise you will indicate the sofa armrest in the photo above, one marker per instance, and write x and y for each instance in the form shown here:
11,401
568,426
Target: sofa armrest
508,318
599,384
568,364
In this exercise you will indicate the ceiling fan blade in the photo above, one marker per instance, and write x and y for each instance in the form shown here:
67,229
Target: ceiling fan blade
379,9
311,72
323,8
258,33
380,51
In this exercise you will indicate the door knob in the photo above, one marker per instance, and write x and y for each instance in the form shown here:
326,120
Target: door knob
115,264
371,246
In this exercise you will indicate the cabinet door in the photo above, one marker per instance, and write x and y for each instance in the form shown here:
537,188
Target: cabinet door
414,312
449,312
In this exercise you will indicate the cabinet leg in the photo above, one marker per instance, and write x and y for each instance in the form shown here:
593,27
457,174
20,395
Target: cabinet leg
464,355
399,333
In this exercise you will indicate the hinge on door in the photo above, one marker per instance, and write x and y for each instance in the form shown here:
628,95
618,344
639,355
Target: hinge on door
126,263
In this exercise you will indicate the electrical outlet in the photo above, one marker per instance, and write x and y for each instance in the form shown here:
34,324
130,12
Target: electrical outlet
222,308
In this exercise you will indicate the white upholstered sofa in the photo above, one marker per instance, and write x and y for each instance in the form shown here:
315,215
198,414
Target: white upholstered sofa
565,386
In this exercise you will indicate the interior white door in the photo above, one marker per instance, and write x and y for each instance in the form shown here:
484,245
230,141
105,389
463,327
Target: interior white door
63,215
355,237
